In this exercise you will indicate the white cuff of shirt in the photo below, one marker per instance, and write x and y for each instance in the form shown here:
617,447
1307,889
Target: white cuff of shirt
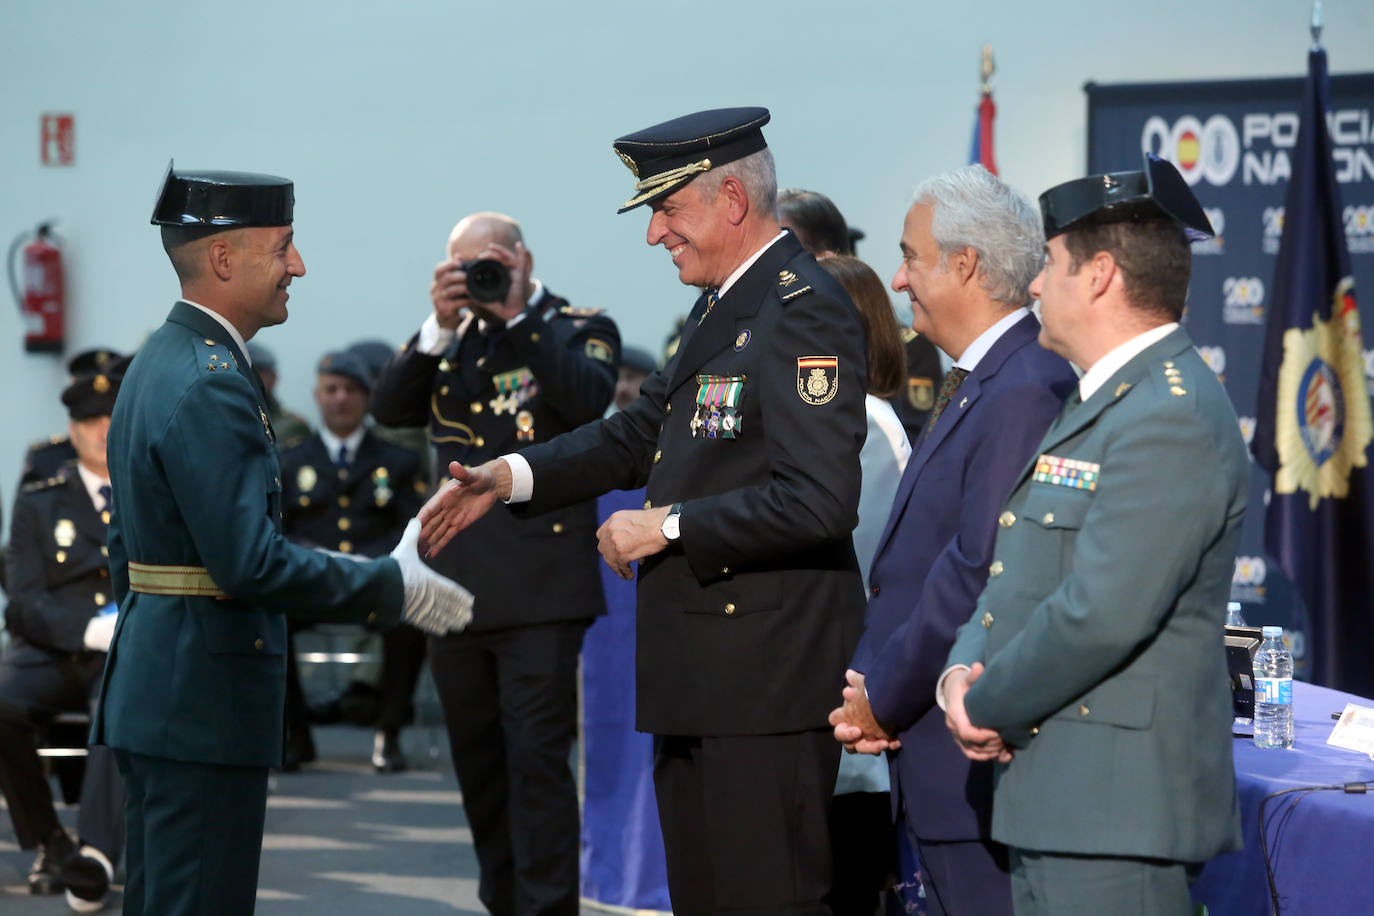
940,684
434,340
521,478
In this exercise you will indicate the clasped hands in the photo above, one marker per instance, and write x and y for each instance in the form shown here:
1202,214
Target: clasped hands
628,535
860,732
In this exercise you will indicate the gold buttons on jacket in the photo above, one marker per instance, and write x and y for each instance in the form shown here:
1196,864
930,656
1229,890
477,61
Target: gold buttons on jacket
996,568
1082,710
345,547
534,337
668,408
209,342
62,556
648,503
371,617
557,527
1035,730
99,599
1048,519
105,516
479,442
729,609
343,502
258,644
987,620
1007,519
658,456
475,406
104,551
303,500
344,524
443,391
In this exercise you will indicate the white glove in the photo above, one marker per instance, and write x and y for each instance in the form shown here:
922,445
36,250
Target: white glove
433,603
99,632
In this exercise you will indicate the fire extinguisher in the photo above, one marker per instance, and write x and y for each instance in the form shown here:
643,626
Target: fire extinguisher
39,290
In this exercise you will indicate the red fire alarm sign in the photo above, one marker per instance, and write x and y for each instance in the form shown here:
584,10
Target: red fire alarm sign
57,143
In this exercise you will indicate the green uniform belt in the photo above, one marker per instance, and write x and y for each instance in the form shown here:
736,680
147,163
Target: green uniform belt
173,580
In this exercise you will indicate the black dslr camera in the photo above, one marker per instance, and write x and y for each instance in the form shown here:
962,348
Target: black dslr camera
488,279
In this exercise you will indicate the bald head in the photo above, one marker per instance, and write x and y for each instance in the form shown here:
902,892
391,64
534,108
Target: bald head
479,230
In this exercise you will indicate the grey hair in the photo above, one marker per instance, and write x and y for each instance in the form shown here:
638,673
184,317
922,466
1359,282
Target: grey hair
755,172
972,208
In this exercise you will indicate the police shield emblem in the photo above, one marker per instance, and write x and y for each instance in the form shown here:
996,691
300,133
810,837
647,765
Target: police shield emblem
64,533
920,393
818,378
306,478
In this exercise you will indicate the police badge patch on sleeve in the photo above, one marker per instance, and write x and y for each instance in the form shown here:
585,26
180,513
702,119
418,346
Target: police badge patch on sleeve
818,378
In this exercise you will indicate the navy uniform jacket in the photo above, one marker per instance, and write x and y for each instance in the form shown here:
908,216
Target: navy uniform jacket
746,624
196,483
46,457
362,509
1101,624
932,562
59,576
552,371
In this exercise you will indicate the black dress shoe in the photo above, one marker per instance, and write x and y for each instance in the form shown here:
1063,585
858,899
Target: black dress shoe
386,751
45,877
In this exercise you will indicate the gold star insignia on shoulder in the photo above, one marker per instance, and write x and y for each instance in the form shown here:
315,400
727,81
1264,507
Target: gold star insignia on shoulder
786,278
1122,389
1178,391
908,335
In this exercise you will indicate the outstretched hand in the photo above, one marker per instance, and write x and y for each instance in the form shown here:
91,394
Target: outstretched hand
461,501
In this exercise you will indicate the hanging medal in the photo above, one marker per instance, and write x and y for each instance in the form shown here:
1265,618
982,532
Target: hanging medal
718,406
524,426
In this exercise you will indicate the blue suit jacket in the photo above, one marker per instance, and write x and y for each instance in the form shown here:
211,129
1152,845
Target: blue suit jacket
193,463
932,563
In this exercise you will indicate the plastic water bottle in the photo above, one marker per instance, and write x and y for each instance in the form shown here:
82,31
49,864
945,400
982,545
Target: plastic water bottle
1233,617
1273,691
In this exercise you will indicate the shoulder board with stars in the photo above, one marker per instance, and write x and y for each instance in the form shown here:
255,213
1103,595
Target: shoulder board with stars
1173,380
787,285
214,356
573,311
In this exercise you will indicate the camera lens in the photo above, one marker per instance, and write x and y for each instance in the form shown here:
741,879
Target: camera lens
488,280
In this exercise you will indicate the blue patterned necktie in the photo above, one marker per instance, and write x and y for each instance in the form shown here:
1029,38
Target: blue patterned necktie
953,379
105,497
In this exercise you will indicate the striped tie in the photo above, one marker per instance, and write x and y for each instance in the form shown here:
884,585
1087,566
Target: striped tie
711,300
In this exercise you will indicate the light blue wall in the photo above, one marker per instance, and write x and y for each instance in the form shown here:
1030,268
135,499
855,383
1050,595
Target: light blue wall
396,119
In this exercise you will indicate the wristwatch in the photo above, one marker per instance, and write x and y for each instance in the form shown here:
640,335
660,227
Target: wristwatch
671,527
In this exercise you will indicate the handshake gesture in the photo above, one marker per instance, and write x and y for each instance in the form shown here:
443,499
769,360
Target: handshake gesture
433,603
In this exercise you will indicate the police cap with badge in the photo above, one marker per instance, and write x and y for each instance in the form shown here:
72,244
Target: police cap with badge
223,200
1156,192
349,365
666,156
93,395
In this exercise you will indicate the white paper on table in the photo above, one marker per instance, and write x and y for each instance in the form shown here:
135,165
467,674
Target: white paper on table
1355,730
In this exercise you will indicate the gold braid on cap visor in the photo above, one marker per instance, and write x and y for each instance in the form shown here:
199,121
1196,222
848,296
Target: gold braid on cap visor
656,184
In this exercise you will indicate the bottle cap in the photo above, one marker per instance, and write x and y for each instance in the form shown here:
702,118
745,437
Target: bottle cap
1272,632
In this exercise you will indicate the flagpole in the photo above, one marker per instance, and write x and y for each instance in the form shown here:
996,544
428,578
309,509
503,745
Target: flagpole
1316,25
990,67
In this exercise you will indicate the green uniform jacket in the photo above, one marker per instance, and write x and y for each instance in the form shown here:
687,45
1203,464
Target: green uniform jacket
193,463
1101,624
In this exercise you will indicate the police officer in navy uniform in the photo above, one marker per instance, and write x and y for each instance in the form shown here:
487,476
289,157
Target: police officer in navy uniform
60,619
346,489
45,458
193,689
487,376
749,594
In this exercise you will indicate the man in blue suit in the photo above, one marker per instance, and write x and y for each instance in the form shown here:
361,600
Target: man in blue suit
970,247
193,690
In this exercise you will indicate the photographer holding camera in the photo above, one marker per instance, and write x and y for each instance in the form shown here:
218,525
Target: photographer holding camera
502,363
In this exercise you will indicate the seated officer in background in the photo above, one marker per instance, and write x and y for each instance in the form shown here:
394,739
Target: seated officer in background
194,687
1091,669
46,457
493,369
822,230
60,619
635,366
345,489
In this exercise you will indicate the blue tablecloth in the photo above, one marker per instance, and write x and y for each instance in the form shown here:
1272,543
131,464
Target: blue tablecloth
1321,843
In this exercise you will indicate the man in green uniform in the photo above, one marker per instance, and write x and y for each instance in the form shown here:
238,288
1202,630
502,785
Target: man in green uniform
1092,668
193,688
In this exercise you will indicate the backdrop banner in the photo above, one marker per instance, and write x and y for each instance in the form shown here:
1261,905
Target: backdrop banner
1233,140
